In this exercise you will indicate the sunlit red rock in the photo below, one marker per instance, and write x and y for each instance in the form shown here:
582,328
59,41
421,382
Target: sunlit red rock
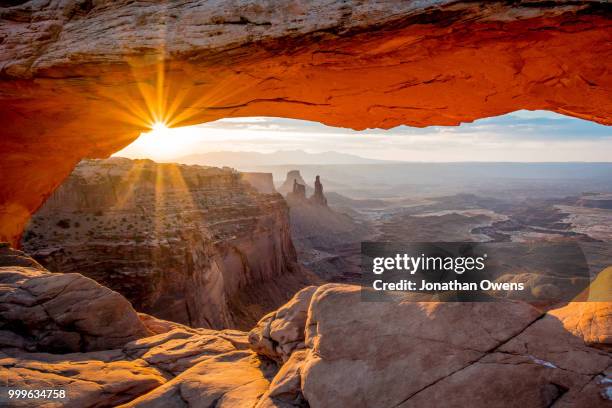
84,79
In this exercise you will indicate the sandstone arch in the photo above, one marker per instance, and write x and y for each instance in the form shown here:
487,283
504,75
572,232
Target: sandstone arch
84,78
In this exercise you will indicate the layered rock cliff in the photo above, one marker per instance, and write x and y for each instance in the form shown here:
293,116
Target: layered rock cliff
84,79
324,348
603,201
262,182
190,244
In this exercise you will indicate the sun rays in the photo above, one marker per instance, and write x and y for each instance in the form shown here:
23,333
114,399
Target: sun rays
158,95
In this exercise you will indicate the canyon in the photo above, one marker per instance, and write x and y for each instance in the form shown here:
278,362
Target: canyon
328,242
180,285
195,245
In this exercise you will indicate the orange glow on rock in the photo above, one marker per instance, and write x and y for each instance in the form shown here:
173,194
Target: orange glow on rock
412,74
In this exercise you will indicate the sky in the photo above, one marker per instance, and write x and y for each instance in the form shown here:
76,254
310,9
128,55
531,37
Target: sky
522,136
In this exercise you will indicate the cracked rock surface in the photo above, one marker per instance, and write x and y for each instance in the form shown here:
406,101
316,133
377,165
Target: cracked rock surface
407,353
324,348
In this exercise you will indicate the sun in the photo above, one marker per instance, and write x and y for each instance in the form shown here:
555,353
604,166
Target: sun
159,143
159,127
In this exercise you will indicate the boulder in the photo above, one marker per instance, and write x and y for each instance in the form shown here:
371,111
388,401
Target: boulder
381,353
406,353
65,312
281,332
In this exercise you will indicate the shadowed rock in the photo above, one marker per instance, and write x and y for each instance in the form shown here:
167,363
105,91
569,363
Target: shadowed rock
64,312
281,332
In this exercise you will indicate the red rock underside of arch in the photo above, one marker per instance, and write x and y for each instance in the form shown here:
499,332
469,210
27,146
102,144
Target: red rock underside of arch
398,73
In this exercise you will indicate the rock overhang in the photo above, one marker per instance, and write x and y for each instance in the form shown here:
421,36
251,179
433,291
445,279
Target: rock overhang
84,79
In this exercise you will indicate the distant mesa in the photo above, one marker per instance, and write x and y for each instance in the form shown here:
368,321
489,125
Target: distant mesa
596,200
298,192
262,182
287,186
251,160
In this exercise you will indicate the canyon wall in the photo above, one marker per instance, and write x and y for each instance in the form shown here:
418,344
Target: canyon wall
262,182
190,244
83,79
603,201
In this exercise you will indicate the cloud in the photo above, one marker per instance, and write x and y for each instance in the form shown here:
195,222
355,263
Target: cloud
518,136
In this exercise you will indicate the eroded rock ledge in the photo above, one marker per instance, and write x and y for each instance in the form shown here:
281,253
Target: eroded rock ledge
324,348
83,79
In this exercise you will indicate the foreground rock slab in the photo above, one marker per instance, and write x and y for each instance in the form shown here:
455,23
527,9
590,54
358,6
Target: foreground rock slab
324,348
407,353
386,352
89,379
63,312
51,323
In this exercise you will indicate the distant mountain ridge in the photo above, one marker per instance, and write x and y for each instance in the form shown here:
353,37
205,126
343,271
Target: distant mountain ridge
241,160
